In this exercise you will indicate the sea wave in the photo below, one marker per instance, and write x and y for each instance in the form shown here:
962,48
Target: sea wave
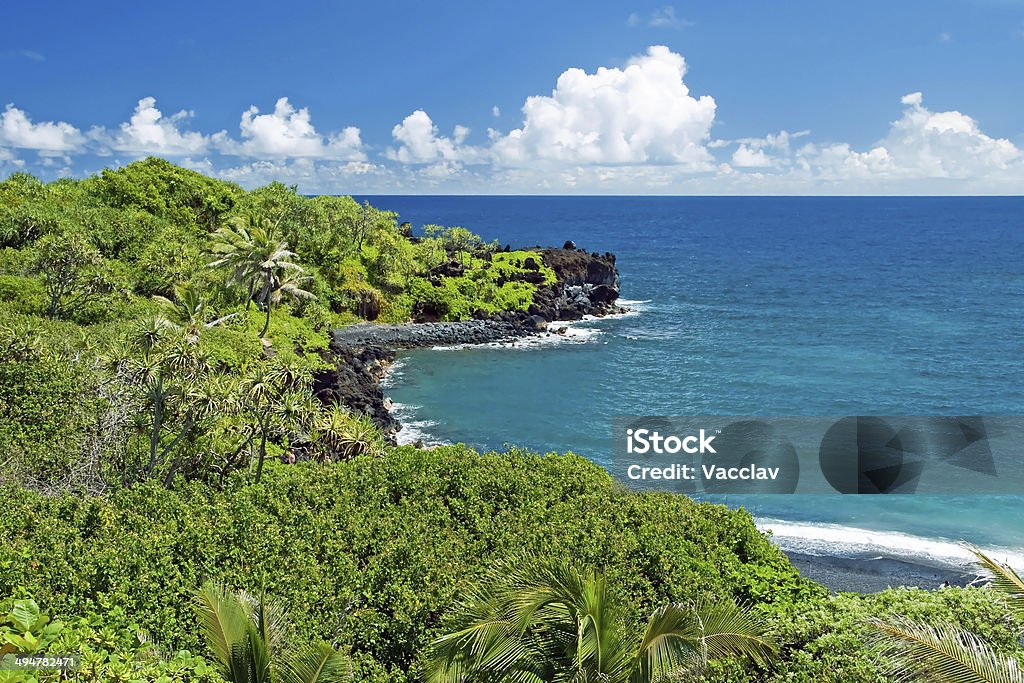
835,540
413,430
634,307
394,372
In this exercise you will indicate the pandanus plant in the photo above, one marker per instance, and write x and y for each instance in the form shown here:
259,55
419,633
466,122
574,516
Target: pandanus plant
246,635
534,623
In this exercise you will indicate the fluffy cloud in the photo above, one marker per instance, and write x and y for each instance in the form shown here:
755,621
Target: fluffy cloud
289,132
47,138
311,175
945,144
150,132
420,142
632,129
750,157
921,145
640,114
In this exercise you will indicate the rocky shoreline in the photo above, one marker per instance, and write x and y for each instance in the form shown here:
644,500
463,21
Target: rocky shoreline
587,284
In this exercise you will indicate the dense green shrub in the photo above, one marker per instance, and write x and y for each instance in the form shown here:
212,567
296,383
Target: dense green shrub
46,402
120,270
371,552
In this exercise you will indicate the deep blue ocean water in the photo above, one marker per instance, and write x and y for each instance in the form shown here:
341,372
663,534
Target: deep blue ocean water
756,306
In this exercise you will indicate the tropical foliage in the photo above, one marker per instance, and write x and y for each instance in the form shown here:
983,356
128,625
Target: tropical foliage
159,324
946,653
103,654
550,621
247,635
161,334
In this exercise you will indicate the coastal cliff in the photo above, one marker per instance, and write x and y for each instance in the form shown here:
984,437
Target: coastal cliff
585,284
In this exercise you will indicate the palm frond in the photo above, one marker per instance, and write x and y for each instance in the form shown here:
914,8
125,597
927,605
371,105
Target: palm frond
670,644
222,622
270,619
316,663
941,654
1004,579
729,630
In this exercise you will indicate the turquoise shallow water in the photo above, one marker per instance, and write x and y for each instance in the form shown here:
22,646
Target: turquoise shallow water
756,306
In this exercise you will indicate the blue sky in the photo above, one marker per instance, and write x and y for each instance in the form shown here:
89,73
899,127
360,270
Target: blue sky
529,97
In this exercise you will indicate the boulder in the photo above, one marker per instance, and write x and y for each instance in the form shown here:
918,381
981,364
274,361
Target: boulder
536,323
604,294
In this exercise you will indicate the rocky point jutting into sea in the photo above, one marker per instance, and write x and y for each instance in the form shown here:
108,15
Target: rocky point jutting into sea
586,284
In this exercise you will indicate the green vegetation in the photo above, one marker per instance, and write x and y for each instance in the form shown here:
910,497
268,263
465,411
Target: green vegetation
156,323
106,654
372,554
247,635
550,621
160,337
946,653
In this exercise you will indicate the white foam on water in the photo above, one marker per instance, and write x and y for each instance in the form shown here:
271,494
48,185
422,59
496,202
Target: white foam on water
836,540
393,373
634,307
413,430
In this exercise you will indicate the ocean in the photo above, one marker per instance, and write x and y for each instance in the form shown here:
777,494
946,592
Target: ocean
755,306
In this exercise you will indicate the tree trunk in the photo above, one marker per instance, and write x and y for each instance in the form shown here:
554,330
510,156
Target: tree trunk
154,436
266,324
263,454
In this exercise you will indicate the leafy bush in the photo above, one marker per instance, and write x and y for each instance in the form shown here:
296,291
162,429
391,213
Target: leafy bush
105,654
370,553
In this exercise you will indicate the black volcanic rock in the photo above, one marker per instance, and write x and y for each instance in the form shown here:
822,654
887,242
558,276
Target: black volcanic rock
586,284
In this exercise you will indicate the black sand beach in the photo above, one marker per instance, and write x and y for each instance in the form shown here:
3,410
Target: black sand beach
874,574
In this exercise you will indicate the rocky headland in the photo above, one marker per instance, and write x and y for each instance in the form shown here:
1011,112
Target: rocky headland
586,284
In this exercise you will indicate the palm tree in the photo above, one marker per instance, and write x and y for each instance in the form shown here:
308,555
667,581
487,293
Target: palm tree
947,653
259,261
188,312
246,635
534,623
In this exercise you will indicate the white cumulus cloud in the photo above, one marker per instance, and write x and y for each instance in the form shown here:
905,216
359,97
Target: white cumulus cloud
747,157
288,132
923,144
420,142
48,137
150,132
642,113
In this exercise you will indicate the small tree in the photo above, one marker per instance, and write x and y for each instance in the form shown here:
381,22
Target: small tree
259,261
69,266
